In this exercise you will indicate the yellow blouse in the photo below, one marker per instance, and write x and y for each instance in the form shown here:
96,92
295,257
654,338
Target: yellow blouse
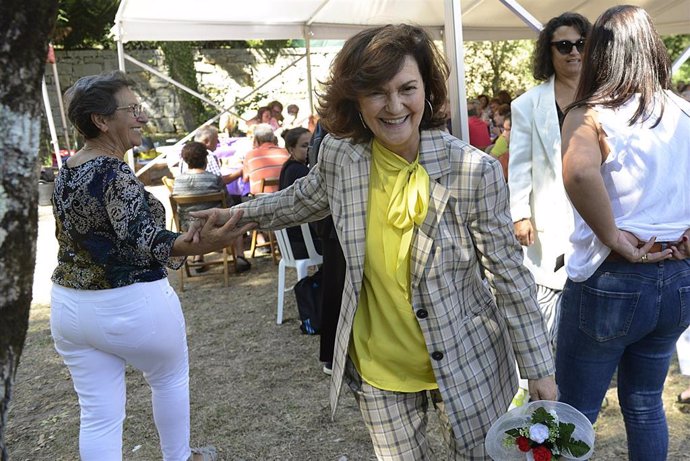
388,347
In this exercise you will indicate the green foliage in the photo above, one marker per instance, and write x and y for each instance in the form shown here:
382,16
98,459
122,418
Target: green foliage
676,44
179,59
85,24
541,416
498,65
269,50
250,104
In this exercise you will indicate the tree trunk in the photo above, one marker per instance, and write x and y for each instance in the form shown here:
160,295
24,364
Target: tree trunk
23,49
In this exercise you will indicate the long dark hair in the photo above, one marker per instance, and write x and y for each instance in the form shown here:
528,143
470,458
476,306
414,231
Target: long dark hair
625,56
371,58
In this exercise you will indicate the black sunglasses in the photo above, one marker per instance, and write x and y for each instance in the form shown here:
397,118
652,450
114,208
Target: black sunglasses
566,46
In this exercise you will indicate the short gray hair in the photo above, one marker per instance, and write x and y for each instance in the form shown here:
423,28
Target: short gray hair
205,133
263,132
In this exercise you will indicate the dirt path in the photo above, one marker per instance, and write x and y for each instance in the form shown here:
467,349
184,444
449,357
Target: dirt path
257,389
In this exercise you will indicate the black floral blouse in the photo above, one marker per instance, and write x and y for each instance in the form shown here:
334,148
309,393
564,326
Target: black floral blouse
110,230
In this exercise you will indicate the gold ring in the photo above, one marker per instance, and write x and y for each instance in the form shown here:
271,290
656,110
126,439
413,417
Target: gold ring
644,258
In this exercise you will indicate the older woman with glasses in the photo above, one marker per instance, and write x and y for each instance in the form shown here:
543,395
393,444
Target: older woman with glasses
111,302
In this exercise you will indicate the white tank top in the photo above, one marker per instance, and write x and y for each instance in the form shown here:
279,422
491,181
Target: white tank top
647,178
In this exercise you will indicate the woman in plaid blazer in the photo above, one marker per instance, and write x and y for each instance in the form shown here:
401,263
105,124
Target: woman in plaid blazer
437,305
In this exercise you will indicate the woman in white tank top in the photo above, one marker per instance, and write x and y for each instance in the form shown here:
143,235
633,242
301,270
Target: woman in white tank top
627,299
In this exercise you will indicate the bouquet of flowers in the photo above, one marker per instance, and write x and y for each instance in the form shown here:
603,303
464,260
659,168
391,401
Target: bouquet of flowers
541,431
546,437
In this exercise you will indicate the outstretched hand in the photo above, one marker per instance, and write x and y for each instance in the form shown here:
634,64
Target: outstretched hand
213,235
222,214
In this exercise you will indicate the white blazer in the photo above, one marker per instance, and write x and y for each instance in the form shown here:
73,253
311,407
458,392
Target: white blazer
536,182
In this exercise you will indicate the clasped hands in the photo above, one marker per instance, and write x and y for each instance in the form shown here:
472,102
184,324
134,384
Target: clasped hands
215,228
625,244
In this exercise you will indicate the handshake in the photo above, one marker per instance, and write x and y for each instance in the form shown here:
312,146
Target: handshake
215,229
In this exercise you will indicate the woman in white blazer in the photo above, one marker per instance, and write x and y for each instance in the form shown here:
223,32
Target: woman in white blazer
541,212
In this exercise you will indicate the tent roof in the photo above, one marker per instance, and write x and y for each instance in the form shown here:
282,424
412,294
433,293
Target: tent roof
338,19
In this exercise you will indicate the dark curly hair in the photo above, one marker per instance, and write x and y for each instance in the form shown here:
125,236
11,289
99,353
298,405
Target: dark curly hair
542,65
194,154
370,59
94,94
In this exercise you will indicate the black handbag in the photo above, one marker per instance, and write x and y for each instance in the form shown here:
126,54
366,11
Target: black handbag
308,295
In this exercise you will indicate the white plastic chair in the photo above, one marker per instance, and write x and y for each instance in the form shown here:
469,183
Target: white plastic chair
288,260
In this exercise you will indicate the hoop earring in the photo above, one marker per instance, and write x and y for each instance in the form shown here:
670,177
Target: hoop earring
431,108
361,119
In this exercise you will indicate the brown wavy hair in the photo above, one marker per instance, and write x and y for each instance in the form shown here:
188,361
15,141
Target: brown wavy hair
370,59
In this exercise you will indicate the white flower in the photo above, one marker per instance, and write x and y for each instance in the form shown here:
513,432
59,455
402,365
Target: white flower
555,415
538,432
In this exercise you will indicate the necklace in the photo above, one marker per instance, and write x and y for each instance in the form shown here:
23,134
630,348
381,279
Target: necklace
98,151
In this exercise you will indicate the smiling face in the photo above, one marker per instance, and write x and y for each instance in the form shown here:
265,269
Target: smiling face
123,129
569,65
394,111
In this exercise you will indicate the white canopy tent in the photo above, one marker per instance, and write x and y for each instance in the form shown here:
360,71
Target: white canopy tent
337,19
450,20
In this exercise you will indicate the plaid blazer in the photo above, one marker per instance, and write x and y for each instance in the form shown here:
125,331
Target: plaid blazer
475,302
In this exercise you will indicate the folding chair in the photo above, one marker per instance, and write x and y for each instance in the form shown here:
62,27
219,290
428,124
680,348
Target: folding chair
288,260
169,183
228,254
271,237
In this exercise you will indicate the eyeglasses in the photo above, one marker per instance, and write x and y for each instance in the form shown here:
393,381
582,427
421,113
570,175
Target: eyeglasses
566,46
135,109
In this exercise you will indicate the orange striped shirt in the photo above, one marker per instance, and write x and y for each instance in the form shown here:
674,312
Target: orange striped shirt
264,162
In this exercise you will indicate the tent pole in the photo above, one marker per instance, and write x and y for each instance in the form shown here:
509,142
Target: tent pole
65,131
685,55
310,90
455,53
523,14
160,74
51,122
120,55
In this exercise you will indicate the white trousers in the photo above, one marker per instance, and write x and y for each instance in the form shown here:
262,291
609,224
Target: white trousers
97,333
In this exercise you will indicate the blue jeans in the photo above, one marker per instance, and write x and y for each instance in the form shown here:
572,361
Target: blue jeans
627,316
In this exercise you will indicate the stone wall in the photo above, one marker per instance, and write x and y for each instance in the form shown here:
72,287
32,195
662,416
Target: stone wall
225,76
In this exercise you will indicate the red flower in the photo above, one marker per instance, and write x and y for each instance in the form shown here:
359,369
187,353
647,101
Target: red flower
541,453
522,443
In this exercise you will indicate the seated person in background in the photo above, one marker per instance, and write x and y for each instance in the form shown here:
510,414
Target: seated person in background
276,114
484,109
297,142
198,181
263,115
208,136
265,160
479,130
501,147
498,117
291,121
504,97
